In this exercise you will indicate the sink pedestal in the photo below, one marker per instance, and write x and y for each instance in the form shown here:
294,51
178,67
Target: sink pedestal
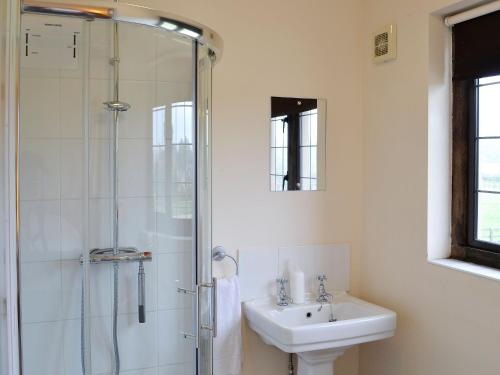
318,362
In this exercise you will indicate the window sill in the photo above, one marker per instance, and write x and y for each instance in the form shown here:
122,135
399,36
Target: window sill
474,269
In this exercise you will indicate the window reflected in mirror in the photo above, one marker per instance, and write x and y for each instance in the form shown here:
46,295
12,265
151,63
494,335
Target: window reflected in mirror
298,128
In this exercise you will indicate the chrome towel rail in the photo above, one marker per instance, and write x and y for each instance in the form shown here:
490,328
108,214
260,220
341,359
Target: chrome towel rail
219,253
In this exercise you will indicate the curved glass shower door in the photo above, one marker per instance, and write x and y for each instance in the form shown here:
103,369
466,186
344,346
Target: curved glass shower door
114,199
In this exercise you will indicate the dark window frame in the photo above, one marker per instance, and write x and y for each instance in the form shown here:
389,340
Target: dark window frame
464,245
476,54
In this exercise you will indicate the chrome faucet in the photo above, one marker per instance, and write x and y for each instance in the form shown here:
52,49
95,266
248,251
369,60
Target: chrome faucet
283,298
324,297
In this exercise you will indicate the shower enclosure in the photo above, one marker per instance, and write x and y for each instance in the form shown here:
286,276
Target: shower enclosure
113,192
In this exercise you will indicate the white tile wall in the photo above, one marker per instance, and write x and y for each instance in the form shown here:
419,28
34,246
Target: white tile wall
137,122
40,357
42,120
102,345
135,173
40,236
258,270
168,92
173,348
71,108
169,54
303,257
101,42
172,235
41,291
40,171
100,176
3,344
260,266
71,228
144,371
100,226
174,271
100,91
72,353
330,260
153,73
138,344
134,65
100,294
137,223
71,168
177,369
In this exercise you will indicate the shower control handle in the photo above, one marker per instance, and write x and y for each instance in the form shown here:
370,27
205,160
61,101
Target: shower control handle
141,293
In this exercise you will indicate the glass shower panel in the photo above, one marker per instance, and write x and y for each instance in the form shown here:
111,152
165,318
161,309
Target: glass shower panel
204,193
155,177
3,104
53,81
67,177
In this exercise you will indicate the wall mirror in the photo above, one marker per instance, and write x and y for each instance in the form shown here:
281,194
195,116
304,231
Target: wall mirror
297,149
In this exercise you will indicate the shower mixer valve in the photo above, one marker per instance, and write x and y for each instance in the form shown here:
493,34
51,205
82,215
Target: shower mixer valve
126,255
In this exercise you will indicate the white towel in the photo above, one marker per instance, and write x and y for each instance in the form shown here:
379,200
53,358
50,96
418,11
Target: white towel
227,344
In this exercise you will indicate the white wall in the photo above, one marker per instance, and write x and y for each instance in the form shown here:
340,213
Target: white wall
446,319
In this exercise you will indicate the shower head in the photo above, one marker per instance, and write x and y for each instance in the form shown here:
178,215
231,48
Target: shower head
117,106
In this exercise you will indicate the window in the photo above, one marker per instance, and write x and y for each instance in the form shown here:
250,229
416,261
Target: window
485,145
297,144
279,153
476,142
308,149
183,160
173,155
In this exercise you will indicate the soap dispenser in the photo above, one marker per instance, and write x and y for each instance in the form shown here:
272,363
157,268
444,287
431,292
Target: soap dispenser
297,284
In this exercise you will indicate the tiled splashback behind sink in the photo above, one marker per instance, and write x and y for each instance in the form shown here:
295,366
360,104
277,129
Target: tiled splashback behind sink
260,266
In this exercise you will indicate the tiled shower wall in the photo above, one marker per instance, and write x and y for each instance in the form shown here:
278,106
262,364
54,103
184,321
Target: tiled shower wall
155,73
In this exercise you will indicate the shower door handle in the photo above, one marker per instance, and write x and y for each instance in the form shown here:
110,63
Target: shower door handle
214,307
213,315
195,293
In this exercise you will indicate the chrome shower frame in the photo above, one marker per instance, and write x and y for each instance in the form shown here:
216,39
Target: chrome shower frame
122,12
88,9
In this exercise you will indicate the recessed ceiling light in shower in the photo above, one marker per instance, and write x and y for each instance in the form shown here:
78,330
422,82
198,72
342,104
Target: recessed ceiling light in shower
169,26
190,33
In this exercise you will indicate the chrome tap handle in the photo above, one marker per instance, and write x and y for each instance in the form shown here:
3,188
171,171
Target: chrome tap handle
282,298
281,281
323,295
321,286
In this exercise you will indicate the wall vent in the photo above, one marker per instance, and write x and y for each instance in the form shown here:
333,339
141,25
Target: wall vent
384,44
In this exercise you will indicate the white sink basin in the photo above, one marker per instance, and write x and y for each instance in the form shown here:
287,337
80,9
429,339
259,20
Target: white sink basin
304,330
